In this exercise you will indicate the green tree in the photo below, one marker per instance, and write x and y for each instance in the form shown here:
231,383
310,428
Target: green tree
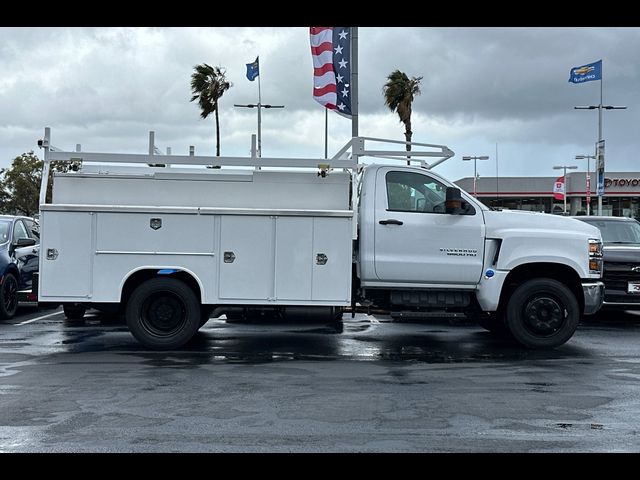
208,84
20,183
399,92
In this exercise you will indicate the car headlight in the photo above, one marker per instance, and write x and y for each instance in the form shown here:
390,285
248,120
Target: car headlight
595,256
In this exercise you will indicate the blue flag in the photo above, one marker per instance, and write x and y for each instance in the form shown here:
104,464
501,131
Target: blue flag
253,70
586,73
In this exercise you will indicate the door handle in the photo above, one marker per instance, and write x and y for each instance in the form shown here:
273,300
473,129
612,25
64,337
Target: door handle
391,221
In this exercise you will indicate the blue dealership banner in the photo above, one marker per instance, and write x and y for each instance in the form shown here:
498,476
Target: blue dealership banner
586,73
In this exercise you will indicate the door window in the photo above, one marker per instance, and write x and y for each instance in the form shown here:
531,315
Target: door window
19,231
413,192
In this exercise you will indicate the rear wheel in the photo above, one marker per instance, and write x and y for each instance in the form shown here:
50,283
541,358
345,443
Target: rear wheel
542,313
8,296
163,313
73,311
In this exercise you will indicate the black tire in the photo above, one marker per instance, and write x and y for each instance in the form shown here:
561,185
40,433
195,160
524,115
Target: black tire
542,313
8,296
73,311
163,313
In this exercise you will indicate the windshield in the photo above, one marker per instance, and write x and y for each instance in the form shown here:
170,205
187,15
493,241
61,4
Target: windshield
618,232
4,230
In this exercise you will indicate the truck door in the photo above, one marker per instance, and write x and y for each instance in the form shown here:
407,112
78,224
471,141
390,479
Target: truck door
415,240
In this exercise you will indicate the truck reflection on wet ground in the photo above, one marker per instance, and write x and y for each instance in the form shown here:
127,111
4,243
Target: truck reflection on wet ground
358,339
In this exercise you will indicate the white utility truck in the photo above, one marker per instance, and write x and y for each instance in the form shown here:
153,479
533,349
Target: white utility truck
171,247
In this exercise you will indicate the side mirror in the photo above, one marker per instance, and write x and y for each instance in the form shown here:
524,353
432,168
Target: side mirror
453,201
25,242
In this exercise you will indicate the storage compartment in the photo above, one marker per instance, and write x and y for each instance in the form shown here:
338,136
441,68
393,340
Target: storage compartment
286,259
154,233
246,257
65,261
332,280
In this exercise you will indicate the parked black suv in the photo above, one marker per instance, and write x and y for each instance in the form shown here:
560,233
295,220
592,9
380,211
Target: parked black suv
621,254
19,250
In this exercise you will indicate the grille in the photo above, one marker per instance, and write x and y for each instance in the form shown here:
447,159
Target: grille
616,275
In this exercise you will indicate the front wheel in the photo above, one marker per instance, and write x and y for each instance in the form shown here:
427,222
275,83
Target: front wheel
8,296
542,313
163,313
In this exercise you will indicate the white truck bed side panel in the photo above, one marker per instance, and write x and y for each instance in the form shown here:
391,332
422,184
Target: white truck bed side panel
332,281
252,189
274,258
69,274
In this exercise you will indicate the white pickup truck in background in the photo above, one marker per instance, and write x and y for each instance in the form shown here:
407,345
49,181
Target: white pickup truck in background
172,247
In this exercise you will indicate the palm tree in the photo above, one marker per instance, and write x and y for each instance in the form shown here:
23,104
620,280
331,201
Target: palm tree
398,95
208,84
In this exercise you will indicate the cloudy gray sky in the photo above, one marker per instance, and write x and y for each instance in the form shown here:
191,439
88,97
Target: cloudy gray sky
107,87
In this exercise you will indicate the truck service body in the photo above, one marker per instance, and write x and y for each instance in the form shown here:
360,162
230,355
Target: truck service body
171,246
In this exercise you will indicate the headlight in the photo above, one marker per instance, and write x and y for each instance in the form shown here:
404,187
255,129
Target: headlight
595,256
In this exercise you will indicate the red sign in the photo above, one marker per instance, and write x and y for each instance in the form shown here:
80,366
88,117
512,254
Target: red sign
558,188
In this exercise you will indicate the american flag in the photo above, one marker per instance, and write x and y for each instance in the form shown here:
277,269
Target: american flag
331,53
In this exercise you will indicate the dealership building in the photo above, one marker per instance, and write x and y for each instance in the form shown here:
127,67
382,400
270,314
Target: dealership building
621,195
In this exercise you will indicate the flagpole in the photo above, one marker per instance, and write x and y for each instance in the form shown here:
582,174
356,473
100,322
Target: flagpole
354,82
326,131
600,136
497,184
259,113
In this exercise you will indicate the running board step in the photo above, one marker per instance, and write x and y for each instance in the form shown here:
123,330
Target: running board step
410,314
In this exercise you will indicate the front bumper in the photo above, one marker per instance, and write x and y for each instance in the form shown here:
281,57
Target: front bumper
593,297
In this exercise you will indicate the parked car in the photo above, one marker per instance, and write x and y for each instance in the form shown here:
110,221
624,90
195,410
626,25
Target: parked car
621,255
19,249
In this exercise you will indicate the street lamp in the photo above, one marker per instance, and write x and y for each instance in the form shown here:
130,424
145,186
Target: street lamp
564,178
260,106
600,107
588,180
475,174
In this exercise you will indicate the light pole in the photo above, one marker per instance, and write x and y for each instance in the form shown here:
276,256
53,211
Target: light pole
564,181
475,172
600,107
260,106
588,180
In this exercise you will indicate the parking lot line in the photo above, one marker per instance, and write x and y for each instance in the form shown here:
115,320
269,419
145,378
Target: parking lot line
39,318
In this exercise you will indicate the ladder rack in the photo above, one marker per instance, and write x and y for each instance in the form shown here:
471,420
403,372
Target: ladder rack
341,160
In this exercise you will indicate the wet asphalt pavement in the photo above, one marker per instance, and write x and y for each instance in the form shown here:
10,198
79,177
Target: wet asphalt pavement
371,386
